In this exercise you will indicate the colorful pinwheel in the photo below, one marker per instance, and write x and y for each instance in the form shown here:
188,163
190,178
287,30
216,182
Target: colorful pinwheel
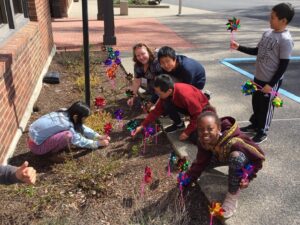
119,114
100,102
246,171
107,128
248,88
183,180
132,125
233,24
148,175
183,164
277,102
215,210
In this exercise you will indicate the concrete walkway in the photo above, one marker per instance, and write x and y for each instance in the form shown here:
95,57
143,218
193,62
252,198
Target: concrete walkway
273,197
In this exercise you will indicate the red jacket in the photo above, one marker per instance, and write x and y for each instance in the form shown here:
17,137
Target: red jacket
184,96
232,139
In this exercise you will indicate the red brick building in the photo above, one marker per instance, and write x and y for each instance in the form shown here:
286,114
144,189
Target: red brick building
26,50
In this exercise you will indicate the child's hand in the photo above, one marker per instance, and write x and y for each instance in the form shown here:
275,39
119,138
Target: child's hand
266,89
183,136
130,101
104,142
244,183
26,174
137,130
104,137
234,45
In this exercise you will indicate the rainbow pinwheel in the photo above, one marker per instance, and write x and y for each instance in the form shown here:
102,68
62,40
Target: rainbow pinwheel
183,164
215,210
131,125
248,88
233,24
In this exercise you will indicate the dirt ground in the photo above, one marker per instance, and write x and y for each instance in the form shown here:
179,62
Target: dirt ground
101,186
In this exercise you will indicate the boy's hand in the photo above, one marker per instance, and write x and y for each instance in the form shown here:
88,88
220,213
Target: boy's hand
137,130
244,183
183,136
26,174
234,45
267,89
130,101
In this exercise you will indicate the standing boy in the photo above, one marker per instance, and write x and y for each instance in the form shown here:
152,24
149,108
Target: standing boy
273,54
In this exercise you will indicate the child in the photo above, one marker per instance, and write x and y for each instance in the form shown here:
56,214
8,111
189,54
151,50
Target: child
273,53
54,131
182,68
174,98
11,174
147,67
220,142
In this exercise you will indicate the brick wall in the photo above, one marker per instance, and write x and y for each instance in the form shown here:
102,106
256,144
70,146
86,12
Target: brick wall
22,59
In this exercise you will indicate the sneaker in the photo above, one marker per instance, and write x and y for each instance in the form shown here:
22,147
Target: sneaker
230,204
174,127
248,129
207,94
259,138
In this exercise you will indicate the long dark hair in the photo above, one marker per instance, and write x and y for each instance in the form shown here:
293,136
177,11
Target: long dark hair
81,110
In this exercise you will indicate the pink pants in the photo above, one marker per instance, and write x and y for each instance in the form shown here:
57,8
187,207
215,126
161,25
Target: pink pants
53,144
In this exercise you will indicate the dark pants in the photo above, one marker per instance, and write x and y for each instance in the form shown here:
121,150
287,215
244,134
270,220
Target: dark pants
263,108
236,161
173,111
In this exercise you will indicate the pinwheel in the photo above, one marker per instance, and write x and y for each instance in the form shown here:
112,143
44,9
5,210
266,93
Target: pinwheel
215,210
183,164
132,125
107,128
248,88
147,179
100,103
233,24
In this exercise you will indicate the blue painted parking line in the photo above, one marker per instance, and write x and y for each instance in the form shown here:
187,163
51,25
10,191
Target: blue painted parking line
228,62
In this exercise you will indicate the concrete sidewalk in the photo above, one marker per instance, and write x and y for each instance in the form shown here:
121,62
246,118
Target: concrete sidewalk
273,197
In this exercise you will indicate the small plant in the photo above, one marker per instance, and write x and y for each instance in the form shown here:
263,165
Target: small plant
29,191
97,121
94,82
135,150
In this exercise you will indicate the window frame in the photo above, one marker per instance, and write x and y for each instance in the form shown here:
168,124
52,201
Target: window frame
12,21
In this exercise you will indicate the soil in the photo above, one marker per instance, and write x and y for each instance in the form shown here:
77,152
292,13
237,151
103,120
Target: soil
101,186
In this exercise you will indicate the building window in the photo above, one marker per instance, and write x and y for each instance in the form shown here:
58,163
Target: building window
13,15
18,8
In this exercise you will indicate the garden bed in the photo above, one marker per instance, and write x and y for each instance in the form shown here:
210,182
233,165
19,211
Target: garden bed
101,186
